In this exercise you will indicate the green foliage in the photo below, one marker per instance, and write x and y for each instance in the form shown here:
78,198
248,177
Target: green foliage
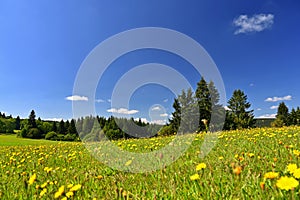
239,116
193,112
204,101
31,120
34,133
166,130
278,122
51,136
283,113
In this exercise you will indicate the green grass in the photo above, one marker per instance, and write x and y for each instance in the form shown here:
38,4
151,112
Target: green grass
13,140
253,152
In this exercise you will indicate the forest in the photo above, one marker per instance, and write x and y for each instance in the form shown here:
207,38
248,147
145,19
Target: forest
198,107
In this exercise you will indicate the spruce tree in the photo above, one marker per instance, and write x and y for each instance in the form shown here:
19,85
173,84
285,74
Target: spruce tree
176,116
283,113
239,110
31,120
203,97
18,123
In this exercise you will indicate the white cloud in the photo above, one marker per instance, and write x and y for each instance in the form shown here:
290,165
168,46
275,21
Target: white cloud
144,120
256,23
77,98
251,84
109,100
122,111
156,108
53,119
274,99
268,116
273,107
226,108
258,109
160,122
99,100
165,100
164,115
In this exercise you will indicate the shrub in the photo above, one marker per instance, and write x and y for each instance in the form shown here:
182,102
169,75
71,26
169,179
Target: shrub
51,135
166,130
34,133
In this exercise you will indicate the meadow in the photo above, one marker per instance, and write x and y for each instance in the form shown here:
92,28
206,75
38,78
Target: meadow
259,163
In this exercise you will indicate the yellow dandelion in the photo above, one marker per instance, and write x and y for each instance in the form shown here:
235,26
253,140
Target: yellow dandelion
251,155
69,194
195,177
44,185
221,158
296,152
70,185
271,175
43,192
99,177
75,188
296,173
200,166
65,198
128,162
32,179
287,183
59,192
291,168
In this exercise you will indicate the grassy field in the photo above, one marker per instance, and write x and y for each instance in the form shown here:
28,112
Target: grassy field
12,140
247,164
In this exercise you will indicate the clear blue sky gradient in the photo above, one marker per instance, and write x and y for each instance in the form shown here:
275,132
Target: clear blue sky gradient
43,43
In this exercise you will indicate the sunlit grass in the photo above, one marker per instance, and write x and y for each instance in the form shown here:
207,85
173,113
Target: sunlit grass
245,164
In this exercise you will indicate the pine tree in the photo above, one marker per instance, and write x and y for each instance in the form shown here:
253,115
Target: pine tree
189,112
203,97
292,119
176,116
18,123
54,127
283,113
31,120
217,112
72,127
61,127
239,105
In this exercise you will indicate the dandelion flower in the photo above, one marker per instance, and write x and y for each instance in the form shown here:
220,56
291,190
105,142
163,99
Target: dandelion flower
287,183
291,168
296,152
195,177
251,155
43,192
75,188
32,179
271,175
296,173
59,192
200,166
128,162
69,194
237,170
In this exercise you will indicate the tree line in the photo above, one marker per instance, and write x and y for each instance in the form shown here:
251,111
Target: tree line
198,111
193,112
88,128
286,118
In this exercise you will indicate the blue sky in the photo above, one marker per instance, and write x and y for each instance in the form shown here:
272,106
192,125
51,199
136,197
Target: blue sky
255,45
